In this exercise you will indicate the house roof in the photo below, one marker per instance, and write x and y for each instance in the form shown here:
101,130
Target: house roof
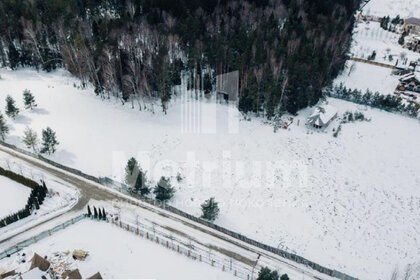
39,262
97,275
73,274
322,115
413,20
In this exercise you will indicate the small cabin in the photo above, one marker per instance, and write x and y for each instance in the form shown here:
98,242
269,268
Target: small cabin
322,116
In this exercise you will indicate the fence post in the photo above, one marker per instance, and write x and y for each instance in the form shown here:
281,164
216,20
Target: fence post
212,262
189,253
223,268
128,227
147,235
200,258
167,243
157,239
235,273
177,248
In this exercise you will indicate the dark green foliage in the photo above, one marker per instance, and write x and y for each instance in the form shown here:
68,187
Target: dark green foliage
35,199
284,277
388,102
95,212
49,141
302,42
163,190
135,177
372,56
210,209
266,274
103,214
4,129
89,212
28,99
11,110
100,217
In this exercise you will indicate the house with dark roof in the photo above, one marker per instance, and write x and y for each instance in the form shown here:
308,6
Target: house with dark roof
412,25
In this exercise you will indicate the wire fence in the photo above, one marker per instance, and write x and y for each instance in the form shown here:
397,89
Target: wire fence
21,245
189,249
125,189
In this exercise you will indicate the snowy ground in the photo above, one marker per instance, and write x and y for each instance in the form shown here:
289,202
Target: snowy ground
13,196
351,203
60,198
369,37
363,76
392,8
137,257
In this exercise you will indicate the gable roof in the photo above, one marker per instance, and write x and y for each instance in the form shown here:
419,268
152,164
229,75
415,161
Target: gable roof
73,274
413,20
97,275
39,262
322,115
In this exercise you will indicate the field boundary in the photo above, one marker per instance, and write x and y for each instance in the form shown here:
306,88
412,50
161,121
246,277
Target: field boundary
108,182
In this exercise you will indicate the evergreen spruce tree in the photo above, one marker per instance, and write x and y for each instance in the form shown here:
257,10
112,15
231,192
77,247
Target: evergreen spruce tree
284,277
140,186
4,129
99,214
89,213
103,214
266,274
210,209
30,138
28,99
36,203
49,141
11,110
95,212
163,190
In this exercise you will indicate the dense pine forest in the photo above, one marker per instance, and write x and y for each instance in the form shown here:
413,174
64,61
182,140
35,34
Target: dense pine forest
286,51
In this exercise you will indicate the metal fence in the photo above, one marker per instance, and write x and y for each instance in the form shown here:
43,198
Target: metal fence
21,245
125,189
188,249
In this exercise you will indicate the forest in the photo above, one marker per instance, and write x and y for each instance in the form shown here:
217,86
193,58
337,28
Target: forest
286,51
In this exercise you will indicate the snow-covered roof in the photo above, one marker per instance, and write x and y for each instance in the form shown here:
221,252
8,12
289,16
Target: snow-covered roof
322,115
413,20
410,76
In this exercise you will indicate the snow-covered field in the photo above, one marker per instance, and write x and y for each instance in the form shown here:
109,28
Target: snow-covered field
369,37
403,8
351,203
116,253
363,76
13,196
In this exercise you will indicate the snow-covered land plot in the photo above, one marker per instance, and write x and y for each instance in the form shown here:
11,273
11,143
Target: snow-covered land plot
403,8
60,198
351,202
369,37
116,253
13,196
363,76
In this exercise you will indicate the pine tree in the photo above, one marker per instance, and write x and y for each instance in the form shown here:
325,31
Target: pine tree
103,214
28,99
140,186
49,141
266,274
163,190
11,110
4,129
99,214
131,171
284,277
30,138
210,209
89,213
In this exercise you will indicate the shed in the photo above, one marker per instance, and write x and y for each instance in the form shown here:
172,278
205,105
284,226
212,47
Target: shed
39,262
322,116
80,254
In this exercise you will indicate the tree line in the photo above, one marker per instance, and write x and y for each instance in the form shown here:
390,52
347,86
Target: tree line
286,51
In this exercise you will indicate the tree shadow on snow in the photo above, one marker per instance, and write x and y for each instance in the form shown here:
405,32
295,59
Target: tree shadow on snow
40,111
23,120
64,157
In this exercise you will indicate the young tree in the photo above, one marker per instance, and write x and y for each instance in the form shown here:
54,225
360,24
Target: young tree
4,129
30,138
163,190
89,212
266,274
103,214
131,171
284,277
140,186
28,99
95,212
210,209
11,110
49,141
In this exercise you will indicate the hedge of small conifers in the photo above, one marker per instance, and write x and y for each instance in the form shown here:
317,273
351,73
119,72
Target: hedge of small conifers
36,198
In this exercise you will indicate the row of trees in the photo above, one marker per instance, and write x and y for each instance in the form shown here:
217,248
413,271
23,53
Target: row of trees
388,102
286,51
266,274
36,198
97,213
136,179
